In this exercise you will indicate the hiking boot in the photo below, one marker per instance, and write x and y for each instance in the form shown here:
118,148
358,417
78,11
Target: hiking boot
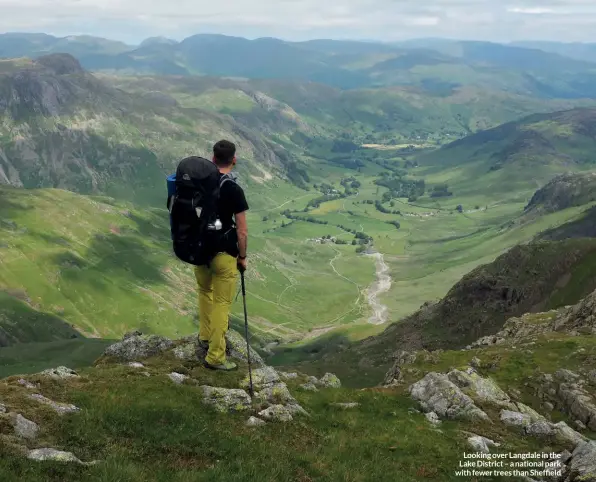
226,366
204,344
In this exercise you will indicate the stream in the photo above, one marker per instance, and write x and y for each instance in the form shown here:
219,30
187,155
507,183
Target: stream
382,285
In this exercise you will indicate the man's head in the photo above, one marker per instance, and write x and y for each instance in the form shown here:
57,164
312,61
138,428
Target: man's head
224,154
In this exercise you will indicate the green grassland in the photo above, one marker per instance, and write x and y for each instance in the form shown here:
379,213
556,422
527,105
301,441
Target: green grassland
149,429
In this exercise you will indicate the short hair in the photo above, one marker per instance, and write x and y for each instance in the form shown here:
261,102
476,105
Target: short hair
223,153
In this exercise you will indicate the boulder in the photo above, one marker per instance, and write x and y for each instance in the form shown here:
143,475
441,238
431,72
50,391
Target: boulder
288,376
187,352
262,378
2,408
565,433
236,348
255,422
177,378
138,347
433,418
279,394
481,444
136,365
540,429
27,384
54,455
530,412
60,373
583,462
436,393
309,387
394,376
226,399
24,428
579,425
276,413
483,389
60,408
578,403
329,380
592,377
515,419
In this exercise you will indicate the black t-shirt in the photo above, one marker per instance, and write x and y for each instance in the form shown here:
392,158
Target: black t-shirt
231,201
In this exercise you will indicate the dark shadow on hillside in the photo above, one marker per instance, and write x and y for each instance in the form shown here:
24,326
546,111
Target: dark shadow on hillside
112,259
585,227
11,202
50,238
155,226
21,323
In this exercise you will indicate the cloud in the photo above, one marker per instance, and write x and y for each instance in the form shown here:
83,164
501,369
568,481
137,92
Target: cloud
133,20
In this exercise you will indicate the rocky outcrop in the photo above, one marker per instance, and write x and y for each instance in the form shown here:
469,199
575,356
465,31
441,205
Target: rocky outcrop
582,466
178,378
60,408
483,389
395,376
226,399
48,454
22,427
255,422
436,393
481,444
262,378
276,413
135,347
59,373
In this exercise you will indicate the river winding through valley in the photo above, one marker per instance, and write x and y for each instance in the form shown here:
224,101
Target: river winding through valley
382,285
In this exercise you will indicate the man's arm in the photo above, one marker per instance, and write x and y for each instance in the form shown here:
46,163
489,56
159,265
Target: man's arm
242,231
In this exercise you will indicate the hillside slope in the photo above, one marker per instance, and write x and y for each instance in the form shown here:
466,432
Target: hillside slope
62,127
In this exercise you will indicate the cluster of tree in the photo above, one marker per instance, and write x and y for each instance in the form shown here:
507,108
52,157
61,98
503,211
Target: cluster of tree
297,175
395,223
344,146
402,188
384,210
309,219
440,190
347,163
410,164
315,203
460,208
350,182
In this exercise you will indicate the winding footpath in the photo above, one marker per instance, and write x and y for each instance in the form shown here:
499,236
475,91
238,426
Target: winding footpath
382,285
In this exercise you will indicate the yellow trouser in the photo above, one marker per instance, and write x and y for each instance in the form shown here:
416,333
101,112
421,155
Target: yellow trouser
217,284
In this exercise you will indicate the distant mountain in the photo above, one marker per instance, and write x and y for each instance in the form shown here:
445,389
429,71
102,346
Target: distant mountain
437,66
573,50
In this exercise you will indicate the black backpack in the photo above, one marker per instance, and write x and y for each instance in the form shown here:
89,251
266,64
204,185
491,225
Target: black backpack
193,199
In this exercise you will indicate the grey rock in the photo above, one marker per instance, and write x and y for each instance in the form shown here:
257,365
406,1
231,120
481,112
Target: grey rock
262,378
592,377
329,380
476,363
61,408
481,444
27,384
540,429
255,422
583,462
347,405
136,365
436,393
24,428
236,348
394,375
60,373
579,425
565,433
138,347
549,406
226,399
566,376
2,408
41,455
313,380
177,378
483,389
186,352
433,418
288,376
276,413
309,387
565,456
515,419
533,414
579,403
131,334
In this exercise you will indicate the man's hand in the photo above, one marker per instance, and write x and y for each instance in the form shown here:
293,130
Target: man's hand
242,264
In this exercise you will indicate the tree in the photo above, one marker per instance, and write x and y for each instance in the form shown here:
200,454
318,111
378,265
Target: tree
460,208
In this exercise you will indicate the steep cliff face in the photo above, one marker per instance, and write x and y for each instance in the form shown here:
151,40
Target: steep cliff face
62,127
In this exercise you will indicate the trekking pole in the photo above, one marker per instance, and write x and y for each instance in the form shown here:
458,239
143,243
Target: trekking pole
251,391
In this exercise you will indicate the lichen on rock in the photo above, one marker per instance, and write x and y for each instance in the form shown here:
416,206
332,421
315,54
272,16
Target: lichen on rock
226,399
137,347
276,413
61,408
60,373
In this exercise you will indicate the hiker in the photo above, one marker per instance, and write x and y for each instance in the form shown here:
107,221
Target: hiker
217,280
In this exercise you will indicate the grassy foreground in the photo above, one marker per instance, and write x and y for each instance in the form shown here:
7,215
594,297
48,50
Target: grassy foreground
148,429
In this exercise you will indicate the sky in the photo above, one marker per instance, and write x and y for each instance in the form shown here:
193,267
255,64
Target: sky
385,20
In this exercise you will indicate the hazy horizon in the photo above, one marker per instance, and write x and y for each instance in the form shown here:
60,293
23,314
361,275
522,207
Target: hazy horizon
131,21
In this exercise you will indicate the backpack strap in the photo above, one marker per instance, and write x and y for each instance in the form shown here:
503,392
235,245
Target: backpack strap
227,177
